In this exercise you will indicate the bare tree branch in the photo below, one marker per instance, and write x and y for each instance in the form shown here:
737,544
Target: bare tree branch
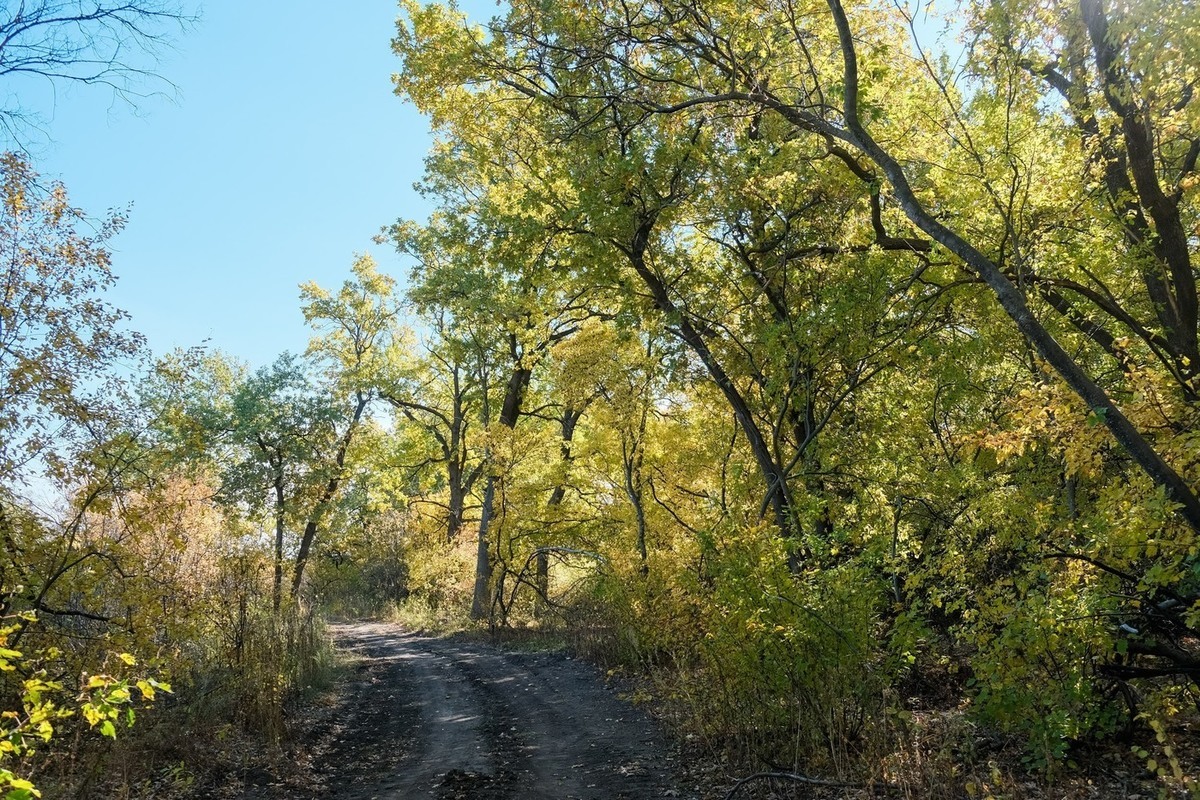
115,44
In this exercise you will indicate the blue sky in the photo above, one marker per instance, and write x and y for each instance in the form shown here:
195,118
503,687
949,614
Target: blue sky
283,154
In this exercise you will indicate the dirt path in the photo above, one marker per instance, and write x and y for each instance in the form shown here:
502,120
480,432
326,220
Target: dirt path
434,718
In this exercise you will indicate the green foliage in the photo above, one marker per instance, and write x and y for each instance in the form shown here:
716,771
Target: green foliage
130,551
817,462
58,336
102,700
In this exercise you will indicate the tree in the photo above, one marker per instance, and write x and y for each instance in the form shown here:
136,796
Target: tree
283,425
356,342
870,254
58,336
109,44
281,439
72,452
737,241
498,275
63,424
441,398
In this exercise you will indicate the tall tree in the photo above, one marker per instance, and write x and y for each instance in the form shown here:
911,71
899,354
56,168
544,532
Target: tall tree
283,425
58,335
357,329
497,275
727,233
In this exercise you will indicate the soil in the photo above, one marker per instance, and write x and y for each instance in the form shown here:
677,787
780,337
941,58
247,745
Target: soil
451,719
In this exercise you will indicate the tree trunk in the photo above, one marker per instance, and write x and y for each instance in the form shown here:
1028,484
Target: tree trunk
514,393
570,419
633,453
458,498
331,486
277,587
481,597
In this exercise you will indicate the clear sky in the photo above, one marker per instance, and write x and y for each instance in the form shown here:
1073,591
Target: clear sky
284,153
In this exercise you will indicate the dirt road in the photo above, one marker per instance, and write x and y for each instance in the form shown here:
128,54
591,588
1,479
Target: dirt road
436,718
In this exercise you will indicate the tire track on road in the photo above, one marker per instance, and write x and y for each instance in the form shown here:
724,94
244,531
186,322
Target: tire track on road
456,720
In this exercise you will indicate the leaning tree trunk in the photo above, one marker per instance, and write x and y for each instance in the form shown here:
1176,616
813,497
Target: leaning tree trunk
778,495
1132,440
331,486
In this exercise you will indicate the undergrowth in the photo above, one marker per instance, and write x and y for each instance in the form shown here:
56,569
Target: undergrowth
223,725
763,687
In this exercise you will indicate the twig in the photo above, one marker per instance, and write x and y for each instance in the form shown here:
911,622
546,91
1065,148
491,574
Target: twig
788,776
